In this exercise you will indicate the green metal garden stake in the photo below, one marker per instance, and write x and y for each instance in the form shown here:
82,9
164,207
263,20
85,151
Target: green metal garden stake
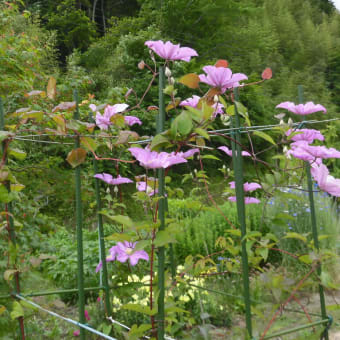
79,217
11,230
101,238
241,212
101,241
161,212
314,226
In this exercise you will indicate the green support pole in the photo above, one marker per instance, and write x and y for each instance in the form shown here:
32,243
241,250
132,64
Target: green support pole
314,226
101,242
11,230
79,217
161,212
171,249
241,211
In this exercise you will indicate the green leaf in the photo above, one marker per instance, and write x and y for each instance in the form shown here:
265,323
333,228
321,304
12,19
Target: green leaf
37,115
305,259
230,110
264,136
16,153
89,143
2,309
5,196
284,216
125,220
17,311
164,237
119,237
136,332
142,244
17,187
140,309
182,124
8,274
202,133
169,90
76,157
263,252
159,141
196,115
4,135
210,157
296,236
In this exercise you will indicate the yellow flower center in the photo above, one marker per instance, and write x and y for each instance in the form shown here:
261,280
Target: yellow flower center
129,251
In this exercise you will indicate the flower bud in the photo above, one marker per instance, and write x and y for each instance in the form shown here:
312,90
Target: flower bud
107,190
115,189
290,122
167,72
216,98
224,167
282,122
141,65
172,81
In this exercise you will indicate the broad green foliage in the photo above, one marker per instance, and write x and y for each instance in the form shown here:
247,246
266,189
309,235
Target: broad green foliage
74,29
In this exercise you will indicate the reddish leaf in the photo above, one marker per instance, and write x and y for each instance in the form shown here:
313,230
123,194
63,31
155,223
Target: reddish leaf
126,136
52,88
65,106
209,96
76,157
35,93
151,108
267,74
191,80
61,123
221,63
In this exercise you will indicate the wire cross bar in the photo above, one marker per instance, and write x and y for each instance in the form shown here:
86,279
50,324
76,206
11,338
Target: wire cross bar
76,323
298,328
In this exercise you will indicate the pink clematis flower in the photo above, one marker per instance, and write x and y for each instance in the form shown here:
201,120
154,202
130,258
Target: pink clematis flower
247,200
246,186
308,135
142,186
169,51
154,160
221,77
302,109
306,152
230,152
124,251
131,120
104,121
193,102
114,181
111,110
325,181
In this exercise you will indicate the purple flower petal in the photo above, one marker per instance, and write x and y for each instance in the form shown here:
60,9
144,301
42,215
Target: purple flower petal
170,51
302,109
154,160
131,120
221,77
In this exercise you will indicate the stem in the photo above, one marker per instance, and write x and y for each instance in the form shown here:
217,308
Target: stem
287,301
